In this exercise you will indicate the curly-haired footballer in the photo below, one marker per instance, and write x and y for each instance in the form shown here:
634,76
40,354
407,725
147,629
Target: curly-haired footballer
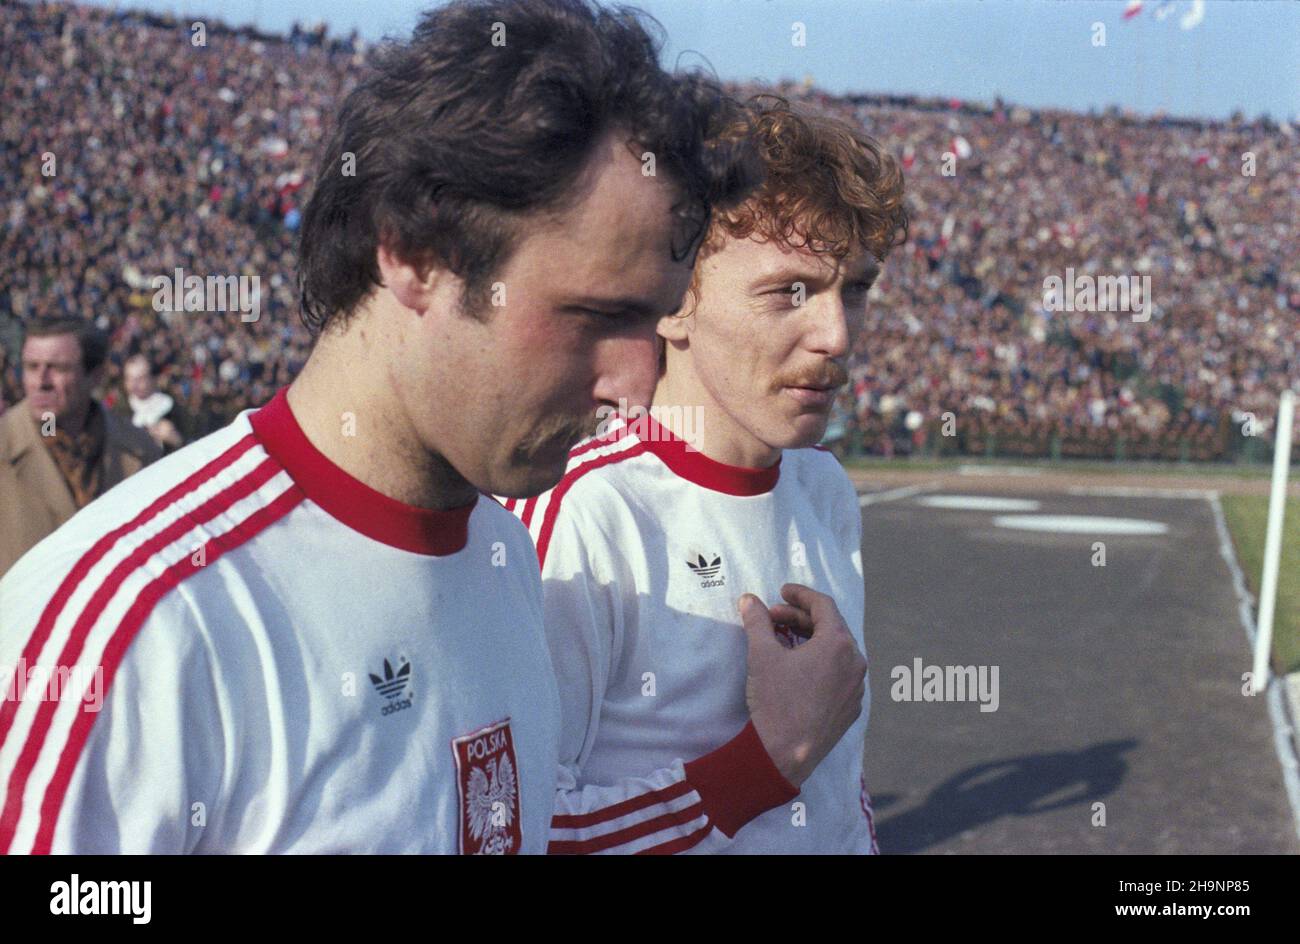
663,533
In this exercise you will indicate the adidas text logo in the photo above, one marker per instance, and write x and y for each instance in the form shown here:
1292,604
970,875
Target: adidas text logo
708,571
392,686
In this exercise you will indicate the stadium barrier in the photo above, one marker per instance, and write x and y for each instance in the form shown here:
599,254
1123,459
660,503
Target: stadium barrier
1222,442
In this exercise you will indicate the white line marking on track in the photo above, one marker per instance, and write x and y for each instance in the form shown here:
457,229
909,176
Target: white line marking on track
979,503
1120,491
1282,741
894,494
1080,524
997,470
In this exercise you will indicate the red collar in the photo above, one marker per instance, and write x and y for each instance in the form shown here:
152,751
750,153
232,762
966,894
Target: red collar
351,501
695,466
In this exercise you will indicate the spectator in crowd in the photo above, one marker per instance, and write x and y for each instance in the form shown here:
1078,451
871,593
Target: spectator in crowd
59,447
150,409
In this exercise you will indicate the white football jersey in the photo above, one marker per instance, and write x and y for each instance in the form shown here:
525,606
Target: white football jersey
244,649
646,546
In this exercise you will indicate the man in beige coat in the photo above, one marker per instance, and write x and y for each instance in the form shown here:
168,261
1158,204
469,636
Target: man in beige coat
59,448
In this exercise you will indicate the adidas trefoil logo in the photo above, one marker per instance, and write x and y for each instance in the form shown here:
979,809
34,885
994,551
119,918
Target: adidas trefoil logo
392,686
708,570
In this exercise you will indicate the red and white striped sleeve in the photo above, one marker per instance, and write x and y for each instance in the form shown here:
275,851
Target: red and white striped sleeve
691,806
117,752
696,807
110,743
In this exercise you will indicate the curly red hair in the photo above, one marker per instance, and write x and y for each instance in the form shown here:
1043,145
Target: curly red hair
829,186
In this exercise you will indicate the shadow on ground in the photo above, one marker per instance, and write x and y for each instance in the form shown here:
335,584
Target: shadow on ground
1018,786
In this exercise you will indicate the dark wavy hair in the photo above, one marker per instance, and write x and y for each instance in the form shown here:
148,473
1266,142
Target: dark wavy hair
483,120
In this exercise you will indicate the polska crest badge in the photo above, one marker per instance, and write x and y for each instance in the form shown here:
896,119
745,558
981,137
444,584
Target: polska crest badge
489,791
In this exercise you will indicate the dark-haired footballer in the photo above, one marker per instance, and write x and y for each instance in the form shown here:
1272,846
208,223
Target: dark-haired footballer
310,631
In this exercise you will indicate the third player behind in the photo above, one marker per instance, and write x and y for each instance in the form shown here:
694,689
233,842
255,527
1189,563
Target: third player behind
658,527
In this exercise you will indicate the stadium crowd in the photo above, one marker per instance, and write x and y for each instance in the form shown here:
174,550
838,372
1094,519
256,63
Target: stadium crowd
128,150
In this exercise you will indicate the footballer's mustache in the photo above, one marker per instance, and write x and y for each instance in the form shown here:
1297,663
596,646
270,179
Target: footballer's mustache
547,433
830,376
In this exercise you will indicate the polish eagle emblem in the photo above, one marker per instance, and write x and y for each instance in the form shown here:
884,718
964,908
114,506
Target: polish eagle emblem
491,805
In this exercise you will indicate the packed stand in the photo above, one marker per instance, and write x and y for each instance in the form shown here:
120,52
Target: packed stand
174,155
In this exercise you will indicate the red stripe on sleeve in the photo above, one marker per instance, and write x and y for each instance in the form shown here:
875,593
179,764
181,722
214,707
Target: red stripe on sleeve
122,638
529,507
622,836
557,496
582,820
68,586
214,506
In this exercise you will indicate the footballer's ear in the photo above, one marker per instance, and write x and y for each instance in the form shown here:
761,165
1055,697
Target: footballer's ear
678,325
413,285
